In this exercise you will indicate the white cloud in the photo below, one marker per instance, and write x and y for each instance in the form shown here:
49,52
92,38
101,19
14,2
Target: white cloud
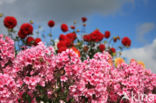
60,10
144,29
6,1
147,54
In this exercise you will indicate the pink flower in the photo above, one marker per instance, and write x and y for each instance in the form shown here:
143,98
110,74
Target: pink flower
63,78
8,89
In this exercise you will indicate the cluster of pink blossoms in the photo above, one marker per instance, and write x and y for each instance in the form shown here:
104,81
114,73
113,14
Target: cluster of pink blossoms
94,80
102,83
7,52
8,89
39,74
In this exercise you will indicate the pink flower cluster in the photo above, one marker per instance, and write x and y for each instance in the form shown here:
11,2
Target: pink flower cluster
93,81
34,67
37,73
71,64
7,52
8,89
102,83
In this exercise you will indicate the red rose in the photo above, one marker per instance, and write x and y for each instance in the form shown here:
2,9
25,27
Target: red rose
126,41
37,40
51,23
113,50
84,19
93,37
62,49
64,27
10,22
62,37
30,41
22,36
69,42
107,34
61,44
87,38
72,27
71,36
102,47
96,36
100,37
26,29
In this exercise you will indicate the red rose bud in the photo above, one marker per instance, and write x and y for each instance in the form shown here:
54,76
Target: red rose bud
113,50
101,47
84,19
84,25
22,36
77,30
64,27
26,29
74,22
107,34
30,41
51,23
118,37
126,41
37,40
115,39
72,27
10,22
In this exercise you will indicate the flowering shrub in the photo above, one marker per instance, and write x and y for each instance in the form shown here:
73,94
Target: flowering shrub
38,74
8,89
77,71
7,53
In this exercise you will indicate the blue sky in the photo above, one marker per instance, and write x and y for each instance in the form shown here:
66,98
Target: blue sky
133,18
124,22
